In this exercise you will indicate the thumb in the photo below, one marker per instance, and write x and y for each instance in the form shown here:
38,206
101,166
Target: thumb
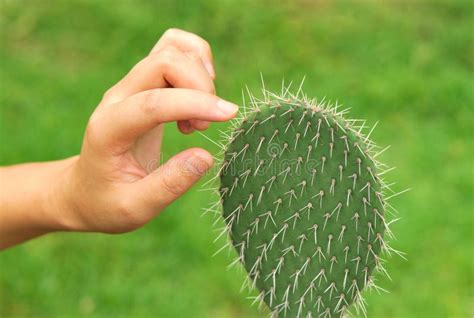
174,178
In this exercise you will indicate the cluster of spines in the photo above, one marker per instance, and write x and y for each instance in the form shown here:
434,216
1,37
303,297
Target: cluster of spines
370,149
254,273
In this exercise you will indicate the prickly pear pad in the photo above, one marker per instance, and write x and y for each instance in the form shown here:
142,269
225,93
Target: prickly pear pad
303,207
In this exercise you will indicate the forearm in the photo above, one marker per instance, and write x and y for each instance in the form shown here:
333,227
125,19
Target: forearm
111,187
30,200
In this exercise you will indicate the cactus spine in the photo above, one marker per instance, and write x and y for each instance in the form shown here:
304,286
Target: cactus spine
303,205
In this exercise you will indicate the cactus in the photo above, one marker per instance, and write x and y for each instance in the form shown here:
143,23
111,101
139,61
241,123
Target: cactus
303,205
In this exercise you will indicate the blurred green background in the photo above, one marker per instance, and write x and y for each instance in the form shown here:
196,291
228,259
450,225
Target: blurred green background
407,64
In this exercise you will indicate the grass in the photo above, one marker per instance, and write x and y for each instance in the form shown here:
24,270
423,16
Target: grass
407,64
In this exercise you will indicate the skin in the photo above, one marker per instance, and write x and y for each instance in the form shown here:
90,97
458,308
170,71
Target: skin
115,184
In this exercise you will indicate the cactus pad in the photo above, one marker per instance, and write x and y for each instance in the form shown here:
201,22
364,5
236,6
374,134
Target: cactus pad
303,207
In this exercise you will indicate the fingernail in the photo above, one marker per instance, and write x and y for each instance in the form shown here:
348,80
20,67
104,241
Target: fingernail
227,108
210,69
198,163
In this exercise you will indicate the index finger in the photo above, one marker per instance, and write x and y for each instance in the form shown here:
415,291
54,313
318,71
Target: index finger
122,123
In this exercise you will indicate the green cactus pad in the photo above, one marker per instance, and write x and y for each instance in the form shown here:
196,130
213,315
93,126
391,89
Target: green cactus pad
303,207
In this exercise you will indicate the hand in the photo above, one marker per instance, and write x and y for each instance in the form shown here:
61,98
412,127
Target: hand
115,184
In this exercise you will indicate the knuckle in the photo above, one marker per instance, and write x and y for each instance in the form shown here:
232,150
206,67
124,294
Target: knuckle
93,129
109,94
96,137
193,56
173,185
171,32
150,100
167,56
206,46
114,94
128,214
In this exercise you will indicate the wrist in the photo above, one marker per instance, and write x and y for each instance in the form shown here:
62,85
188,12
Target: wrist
58,202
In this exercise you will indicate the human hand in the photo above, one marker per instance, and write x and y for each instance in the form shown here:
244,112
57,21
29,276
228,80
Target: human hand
115,184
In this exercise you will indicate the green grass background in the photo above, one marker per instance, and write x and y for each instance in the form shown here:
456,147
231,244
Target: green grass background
407,64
